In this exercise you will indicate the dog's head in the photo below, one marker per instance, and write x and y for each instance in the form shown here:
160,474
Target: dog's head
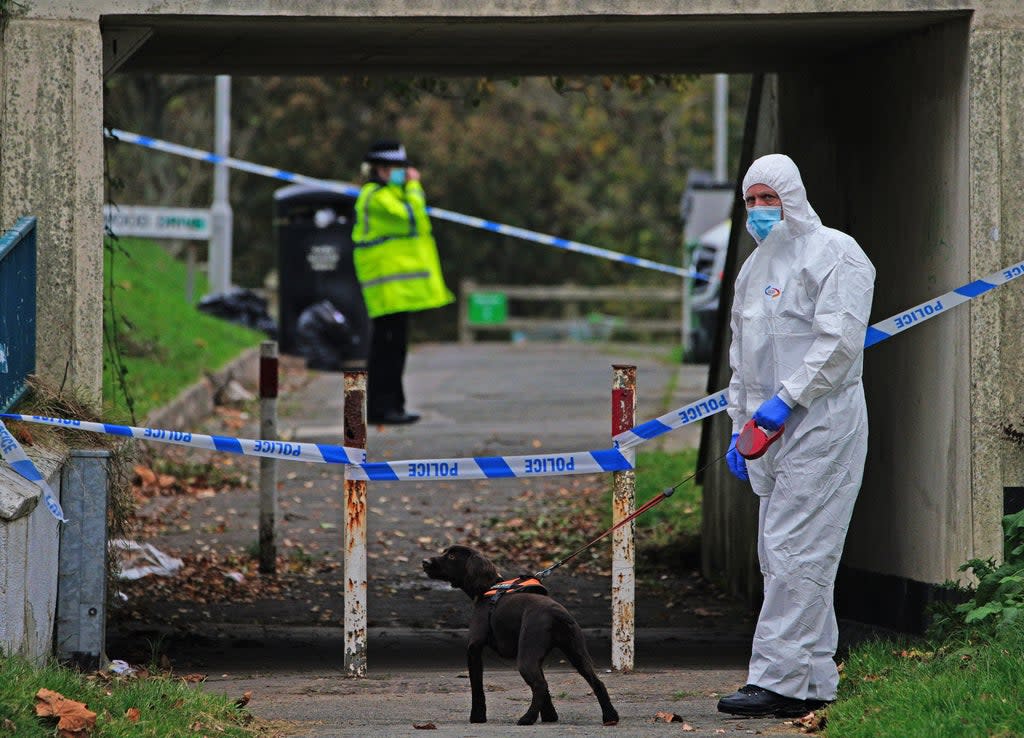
463,568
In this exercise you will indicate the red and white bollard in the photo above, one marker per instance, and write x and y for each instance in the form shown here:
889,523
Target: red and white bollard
623,539
268,467
355,531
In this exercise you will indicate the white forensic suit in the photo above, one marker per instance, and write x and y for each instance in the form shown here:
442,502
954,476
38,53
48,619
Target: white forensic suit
799,317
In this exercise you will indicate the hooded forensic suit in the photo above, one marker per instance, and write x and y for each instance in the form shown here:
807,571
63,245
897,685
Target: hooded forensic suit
799,316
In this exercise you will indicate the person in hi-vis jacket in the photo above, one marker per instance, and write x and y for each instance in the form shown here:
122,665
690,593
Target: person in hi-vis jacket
398,269
799,316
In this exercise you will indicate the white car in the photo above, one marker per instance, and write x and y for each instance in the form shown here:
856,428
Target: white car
708,258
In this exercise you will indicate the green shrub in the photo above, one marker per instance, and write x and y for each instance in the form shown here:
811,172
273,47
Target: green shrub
997,601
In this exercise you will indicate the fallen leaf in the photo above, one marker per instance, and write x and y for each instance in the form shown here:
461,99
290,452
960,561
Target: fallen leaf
147,477
667,717
133,714
75,720
24,435
425,726
244,699
687,728
193,678
812,722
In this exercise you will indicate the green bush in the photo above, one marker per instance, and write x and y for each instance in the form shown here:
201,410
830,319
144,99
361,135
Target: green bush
997,601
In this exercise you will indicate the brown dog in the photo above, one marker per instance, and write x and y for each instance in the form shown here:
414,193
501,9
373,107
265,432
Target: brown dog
522,625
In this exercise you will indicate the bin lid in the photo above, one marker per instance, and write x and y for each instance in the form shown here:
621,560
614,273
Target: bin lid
301,194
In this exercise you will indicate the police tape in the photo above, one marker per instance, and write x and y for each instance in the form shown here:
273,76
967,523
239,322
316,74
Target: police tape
412,470
617,458
318,453
495,467
440,213
876,333
14,455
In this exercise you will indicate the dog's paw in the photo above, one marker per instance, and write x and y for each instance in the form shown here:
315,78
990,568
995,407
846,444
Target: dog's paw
478,717
549,715
612,719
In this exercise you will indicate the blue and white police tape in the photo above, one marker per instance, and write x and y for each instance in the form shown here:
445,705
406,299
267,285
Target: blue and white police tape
440,213
317,453
876,333
495,467
413,470
926,310
490,467
14,455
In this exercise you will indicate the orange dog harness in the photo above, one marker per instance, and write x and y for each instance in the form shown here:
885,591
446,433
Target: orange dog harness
519,584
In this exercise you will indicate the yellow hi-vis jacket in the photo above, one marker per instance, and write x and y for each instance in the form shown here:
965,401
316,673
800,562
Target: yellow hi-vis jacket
395,254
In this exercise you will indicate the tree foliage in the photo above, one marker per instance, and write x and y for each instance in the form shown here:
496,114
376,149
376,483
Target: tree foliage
598,160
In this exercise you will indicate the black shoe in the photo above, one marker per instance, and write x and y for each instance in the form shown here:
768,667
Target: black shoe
813,705
393,418
754,701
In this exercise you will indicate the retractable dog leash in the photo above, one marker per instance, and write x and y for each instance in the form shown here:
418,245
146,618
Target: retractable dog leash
752,443
639,511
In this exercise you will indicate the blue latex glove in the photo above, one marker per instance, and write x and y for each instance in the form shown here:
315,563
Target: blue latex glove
772,414
737,464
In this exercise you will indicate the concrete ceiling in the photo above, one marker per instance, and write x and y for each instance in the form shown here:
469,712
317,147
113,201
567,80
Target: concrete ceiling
471,46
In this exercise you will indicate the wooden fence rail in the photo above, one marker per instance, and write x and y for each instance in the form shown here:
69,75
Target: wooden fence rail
573,316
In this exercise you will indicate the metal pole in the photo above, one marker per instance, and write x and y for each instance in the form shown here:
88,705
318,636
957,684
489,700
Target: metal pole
355,531
81,621
190,273
221,218
623,544
721,124
268,467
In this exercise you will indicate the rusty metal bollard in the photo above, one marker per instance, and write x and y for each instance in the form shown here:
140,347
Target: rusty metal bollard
623,540
268,467
355,531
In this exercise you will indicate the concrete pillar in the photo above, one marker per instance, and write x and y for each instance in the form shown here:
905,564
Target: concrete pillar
1011,243
51,152
986,218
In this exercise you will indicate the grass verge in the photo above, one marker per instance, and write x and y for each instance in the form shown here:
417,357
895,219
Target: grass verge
160,706
163,343
970,686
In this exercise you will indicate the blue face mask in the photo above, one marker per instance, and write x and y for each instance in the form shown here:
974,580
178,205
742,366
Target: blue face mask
761,219
397,176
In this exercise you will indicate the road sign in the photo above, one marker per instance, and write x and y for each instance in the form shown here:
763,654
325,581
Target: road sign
488,308
158,222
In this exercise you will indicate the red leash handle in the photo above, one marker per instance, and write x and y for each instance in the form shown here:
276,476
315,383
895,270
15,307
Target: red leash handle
753,442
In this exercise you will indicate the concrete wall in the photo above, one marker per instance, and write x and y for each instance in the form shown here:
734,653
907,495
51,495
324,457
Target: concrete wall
888,164
915,148
51,167
29,547
1010,76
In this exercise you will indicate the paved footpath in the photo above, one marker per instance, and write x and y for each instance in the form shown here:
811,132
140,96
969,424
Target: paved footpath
484,399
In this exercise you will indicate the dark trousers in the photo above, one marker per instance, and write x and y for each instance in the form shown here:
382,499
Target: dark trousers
389,343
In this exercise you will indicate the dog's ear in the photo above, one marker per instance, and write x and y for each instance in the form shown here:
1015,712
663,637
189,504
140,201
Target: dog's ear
480,574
